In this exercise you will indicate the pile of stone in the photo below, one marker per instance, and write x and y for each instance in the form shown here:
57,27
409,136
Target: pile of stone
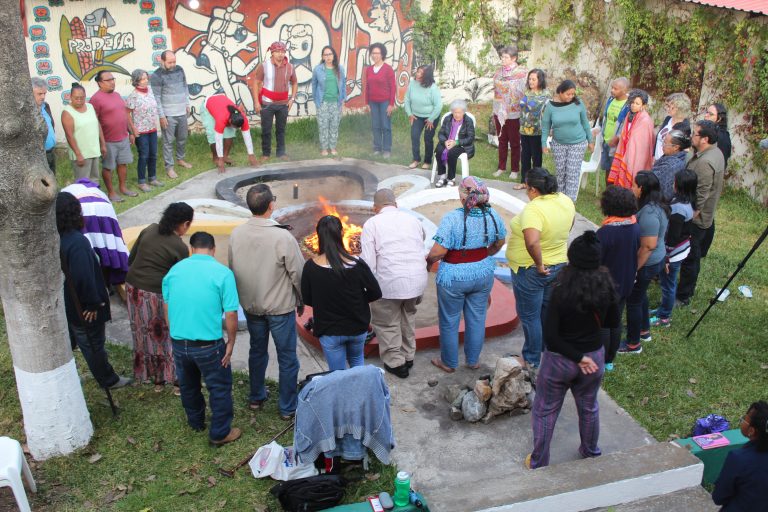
508,390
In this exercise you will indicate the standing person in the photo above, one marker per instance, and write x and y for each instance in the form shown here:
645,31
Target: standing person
537,250
119,134
220,119
718,114
677,242
464,243
709,165
635,150
39,91
743,481
393,247
619,238
653,218
158,248
509,83
571,136
329,90
676,144
583,302
196,292
86,300
143,107
273,102
614,113
456,136
380,89
423,105
678,109
270,294
531,108
84,136
102,229
338,287
169,85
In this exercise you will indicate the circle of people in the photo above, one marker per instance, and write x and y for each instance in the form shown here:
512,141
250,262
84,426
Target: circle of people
658,211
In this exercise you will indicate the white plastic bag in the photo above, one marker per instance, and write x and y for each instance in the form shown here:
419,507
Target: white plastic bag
279,463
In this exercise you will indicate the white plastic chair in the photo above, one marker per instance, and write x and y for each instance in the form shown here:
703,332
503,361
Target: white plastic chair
12,465
463,160
593,165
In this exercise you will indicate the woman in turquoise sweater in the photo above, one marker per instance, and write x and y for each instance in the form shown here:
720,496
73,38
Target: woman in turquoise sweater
423,105
566,117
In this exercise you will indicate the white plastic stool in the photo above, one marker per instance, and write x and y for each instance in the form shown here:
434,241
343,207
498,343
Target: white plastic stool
12,464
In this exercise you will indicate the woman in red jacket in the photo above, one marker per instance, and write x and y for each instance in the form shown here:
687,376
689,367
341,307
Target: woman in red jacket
380,95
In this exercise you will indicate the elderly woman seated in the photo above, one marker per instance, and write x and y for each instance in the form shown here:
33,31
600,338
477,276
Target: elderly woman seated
456,136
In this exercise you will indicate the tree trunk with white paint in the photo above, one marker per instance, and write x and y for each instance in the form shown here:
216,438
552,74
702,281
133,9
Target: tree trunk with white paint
56,419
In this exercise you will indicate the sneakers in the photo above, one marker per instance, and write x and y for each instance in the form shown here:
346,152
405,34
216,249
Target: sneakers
376,152
398,371
441,183
645,336
660,322
234,435
386,154
500,172
513,175
121,383
626,348
609,367
451,183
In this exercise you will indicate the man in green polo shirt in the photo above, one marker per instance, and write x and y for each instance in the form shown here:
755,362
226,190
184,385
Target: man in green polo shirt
196,291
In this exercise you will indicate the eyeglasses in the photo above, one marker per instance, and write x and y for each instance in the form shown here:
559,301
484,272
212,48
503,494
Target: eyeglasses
327,55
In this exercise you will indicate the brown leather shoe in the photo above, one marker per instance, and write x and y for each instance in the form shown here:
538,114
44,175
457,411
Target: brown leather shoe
287,417
234,435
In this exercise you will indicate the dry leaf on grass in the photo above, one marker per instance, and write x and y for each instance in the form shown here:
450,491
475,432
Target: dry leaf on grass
151,478
211,481
93,459
764,366
690,393
222,503
692,380
131,441
644,401
156,447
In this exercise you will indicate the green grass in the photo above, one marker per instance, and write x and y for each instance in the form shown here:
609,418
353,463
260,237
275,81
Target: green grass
162,465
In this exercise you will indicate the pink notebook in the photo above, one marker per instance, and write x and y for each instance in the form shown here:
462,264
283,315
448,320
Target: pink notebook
708,441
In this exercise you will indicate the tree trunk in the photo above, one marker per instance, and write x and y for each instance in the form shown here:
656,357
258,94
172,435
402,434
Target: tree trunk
56,419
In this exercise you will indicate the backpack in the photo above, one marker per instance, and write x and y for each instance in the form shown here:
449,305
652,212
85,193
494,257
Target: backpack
310,494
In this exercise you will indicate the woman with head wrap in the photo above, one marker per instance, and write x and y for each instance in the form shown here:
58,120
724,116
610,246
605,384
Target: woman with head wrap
143,107
536,252
465,241
635,150
583,302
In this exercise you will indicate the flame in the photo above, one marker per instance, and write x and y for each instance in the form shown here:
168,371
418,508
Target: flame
350,232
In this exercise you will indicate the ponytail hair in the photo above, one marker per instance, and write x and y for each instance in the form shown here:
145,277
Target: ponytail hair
540,179
76,85
236,119
567,85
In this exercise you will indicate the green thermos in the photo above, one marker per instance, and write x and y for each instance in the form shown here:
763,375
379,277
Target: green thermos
402,489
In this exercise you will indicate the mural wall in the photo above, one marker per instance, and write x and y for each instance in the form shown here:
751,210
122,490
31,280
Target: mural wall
219,43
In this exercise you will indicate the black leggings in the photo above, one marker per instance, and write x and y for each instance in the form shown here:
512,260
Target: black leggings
530,153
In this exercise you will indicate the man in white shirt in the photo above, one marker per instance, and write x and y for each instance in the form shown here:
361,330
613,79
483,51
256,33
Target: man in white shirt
393,246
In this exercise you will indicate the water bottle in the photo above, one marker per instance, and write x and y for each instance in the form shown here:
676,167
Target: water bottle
402,489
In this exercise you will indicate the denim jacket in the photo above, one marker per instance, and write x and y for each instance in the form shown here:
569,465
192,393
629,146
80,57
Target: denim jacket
328,410
318,84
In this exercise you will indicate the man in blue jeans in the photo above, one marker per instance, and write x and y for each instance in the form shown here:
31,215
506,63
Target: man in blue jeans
196,291
267,263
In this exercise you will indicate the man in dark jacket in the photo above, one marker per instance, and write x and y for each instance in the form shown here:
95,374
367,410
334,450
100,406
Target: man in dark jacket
86,300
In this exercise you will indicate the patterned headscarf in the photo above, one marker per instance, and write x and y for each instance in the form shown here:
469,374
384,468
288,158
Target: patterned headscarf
474,191
278,46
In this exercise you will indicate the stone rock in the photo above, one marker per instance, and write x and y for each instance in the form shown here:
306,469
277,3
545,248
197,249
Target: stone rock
472,408
483,390
510,387
459,398
451,392
456,413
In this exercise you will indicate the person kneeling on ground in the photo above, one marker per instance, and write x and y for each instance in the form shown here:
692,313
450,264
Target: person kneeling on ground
196,291
456,136
86,300
743,481
220,118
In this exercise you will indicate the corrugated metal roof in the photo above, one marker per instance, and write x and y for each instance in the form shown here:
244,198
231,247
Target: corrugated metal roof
759,6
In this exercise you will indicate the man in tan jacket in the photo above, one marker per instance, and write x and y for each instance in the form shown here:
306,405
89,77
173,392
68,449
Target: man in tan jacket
267,263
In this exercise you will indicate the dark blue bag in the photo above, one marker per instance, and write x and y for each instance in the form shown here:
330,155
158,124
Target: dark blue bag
710,424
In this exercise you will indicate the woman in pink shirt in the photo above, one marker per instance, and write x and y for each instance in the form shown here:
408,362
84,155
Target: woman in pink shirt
380,95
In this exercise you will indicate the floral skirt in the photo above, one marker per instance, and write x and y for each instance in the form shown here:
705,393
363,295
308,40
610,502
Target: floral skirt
152,347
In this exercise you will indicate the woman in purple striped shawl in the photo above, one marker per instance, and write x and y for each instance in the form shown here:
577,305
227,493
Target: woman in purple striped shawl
102,229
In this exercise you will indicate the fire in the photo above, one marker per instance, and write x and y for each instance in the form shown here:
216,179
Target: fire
350,232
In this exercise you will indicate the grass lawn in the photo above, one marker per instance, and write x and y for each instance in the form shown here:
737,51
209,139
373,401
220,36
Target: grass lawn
148,460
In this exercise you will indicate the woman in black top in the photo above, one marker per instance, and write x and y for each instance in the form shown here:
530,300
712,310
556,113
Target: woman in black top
718,114
583,301
338,287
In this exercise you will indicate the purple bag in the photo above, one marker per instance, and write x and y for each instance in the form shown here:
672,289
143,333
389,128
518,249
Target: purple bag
710,424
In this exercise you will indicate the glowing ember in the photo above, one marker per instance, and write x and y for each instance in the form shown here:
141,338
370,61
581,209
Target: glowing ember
351,232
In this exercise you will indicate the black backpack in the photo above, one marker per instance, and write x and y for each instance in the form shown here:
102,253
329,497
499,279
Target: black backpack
310,494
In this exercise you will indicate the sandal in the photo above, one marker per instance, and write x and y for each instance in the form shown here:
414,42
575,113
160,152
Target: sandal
441,183
451,183
520,186
426,166
439,363
413,165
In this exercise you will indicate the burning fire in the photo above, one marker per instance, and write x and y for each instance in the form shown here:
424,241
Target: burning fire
350,232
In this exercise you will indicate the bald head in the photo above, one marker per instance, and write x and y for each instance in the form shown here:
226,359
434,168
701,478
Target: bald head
169,59
384,197
620,87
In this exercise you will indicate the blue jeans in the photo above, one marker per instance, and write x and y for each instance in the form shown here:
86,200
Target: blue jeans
419,125
340,349
146,144
381,126
195,360
470,297
637,303
90,339
532,292
606,160
668,282
283,330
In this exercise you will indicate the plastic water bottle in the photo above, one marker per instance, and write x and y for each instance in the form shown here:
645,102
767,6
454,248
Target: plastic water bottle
402,489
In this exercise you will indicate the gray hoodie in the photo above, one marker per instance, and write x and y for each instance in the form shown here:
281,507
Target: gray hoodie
170,90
